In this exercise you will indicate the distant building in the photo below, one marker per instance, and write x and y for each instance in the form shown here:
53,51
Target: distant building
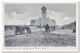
32,21
43,20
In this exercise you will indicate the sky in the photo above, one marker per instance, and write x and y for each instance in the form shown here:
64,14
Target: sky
17,14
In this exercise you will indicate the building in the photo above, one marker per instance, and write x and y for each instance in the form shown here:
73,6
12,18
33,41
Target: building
44,19
32,21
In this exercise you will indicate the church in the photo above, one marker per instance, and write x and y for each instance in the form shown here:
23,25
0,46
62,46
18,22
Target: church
43,20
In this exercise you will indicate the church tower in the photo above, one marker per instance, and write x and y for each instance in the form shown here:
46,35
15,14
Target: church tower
43,19
43,16
43,11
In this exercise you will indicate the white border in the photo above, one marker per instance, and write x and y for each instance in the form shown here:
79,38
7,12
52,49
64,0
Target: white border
43,49
40,1
78,26
1,25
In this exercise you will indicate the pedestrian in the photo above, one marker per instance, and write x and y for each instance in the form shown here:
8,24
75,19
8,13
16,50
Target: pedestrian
28,29
17,30
47,28
74,30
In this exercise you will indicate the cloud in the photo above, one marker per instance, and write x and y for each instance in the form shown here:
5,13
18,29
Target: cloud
17,19
68,20
60,17
24,18
22,14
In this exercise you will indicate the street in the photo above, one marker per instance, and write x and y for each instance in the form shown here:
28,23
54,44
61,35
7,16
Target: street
42,38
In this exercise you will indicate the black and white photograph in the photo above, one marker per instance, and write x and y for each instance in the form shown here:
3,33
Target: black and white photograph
40,25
